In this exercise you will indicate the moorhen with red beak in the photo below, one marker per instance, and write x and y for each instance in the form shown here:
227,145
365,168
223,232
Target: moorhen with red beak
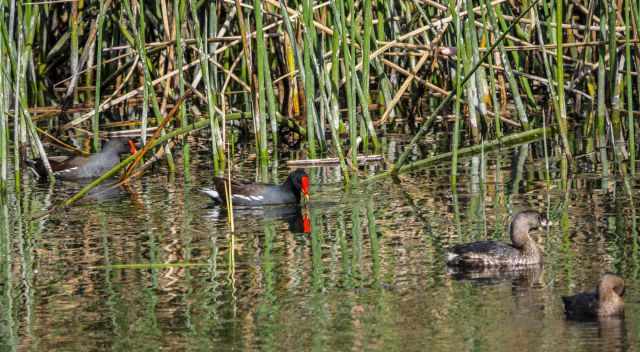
84,167
259,194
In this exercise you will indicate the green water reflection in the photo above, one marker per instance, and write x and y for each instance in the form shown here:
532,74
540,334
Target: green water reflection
368,275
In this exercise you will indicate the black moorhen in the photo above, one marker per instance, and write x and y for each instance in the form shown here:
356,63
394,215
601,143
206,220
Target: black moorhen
258,194
605,301
522,252
82,167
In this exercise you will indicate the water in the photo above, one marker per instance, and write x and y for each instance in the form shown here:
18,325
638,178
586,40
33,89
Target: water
152,269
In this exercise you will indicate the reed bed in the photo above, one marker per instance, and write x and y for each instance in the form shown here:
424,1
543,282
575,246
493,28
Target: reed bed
334,77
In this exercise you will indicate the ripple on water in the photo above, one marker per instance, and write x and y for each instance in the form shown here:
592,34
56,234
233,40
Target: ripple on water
155,266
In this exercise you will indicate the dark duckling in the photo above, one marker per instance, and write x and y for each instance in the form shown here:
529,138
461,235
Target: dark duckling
523,250
605,301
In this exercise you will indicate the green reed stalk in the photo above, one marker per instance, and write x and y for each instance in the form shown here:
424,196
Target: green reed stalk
74,55
350,60
4,123
330,103
547,69
547,174
611,17
28,17
629,85
616,97
562,120
180,17
473,90
95,122
329,85
212,31
149,90
319,69
601,105
617,101
137,41
4,132
458,80
140,36
302,69
494,96
309,93
366,51
216,138
470,89
144,118
385,89
335,53
601,128
272,105
508,72
18,135
515,55
340,23
247,99
294,45
425,125
126,35
262,63
635,17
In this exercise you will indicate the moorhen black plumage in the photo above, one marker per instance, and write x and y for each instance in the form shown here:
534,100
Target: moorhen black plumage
84,167
259,194
605,301
523,250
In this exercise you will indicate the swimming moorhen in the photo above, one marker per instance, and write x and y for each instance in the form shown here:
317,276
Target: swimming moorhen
523,250
605,301
258,194
82,167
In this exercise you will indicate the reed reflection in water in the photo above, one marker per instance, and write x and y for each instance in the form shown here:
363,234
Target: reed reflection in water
156,268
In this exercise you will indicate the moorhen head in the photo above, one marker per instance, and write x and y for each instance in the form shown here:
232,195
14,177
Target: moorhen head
258,194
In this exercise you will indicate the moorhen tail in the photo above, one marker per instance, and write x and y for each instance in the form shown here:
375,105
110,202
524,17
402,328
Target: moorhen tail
259,194
82,167
605,301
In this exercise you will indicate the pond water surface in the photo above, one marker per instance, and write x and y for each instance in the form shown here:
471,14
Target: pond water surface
155,268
